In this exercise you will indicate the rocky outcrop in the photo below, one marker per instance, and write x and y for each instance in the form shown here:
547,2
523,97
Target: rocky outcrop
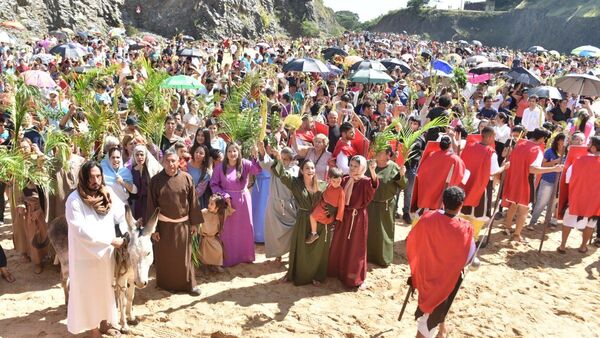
40,16
519,28
201,19
219,18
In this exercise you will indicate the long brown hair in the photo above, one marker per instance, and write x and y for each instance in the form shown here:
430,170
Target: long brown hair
314,183
238,162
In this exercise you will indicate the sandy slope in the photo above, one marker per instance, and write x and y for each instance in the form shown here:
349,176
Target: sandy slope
515,293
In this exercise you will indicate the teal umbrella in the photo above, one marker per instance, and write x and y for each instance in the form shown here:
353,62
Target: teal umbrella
370,76
181,82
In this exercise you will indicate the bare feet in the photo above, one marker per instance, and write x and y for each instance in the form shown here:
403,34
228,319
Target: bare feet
316,282
284,279
278,260
38,269
443,331
7,275
25,258
363,286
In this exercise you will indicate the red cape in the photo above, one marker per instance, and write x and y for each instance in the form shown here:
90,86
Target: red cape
306,136
477,158
341,147
516,183
360,143
437,249
430,148
575,152
477,138
397,147
584,187
432,177
321,128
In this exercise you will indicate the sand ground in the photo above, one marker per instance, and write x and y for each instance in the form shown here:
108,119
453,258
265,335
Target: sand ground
515,293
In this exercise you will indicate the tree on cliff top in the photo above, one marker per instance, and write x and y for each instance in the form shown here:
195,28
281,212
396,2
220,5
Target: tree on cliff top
348,20
417,4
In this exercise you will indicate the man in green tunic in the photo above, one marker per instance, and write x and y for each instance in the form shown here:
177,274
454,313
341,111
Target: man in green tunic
380,242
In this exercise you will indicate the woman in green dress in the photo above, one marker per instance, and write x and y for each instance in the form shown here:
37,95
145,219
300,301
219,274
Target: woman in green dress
307,262
380,242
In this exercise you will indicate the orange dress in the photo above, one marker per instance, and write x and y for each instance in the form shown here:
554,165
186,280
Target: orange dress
334,197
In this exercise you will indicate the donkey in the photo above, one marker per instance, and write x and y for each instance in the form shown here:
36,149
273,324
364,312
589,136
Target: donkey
131,269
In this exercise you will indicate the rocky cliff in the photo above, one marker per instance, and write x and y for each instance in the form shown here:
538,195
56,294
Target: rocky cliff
550,23
201,19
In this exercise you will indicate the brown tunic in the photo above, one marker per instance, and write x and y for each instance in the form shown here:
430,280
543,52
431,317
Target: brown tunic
176,198
66,182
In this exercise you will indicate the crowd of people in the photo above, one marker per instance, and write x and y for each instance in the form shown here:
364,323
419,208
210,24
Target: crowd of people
327,184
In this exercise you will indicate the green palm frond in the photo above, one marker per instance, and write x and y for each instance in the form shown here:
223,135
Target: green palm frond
26,99
407,137
384,138
57,143
149,102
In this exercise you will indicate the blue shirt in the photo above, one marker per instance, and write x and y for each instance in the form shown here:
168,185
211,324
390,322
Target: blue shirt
550,155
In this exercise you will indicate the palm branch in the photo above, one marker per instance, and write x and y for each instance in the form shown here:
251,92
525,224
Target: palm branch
149,103
57,143
26,98
408,137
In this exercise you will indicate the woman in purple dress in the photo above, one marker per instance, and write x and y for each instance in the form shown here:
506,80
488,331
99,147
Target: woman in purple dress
231,178
143,167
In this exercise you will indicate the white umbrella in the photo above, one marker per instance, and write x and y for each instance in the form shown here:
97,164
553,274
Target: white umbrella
580,84
477,59
5,38
45,58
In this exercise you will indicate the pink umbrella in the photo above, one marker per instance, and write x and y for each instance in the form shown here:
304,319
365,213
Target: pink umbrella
39,79
476,79
150,39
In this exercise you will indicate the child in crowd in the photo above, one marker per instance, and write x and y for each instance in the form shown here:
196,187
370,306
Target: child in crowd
211,248
334,196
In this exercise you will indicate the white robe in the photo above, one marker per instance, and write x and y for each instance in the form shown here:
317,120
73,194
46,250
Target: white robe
91,263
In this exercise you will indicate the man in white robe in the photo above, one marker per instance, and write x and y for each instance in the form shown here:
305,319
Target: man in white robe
92,212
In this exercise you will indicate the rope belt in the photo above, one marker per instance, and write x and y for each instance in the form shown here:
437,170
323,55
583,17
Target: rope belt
354,213
164,218
387,202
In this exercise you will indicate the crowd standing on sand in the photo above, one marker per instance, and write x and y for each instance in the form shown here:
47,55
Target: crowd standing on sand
312,147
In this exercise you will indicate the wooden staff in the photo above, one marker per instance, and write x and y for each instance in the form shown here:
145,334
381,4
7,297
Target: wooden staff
410,292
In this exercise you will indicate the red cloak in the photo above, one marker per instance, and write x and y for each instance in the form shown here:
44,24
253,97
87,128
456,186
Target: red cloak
575,152
305,136
516,183
477,158
584,187
348,253
341,147
432,179
437,249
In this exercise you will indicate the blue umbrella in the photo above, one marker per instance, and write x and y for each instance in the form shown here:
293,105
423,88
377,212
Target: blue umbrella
442,66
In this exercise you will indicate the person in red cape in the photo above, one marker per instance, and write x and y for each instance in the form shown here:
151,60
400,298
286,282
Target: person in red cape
525,159
348,253
305,134
344,150
438,248
481,161
437,172
583,212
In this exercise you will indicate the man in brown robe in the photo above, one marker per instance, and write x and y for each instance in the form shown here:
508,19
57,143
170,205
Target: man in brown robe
172,190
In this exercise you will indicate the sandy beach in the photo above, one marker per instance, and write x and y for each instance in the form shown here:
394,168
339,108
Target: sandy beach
515,293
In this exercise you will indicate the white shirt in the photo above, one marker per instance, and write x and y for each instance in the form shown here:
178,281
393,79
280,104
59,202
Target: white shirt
497,104
532,119
502,133
341,162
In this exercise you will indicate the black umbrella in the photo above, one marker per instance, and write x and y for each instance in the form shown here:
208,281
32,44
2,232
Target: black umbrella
69,51
137,46
190,52
546,92
307,65
392,63
329,53
368,64
464,50
489,67
524,76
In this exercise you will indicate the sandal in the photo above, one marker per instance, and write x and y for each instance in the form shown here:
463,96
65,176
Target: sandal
109,330
519,239
584,250
561,251
597,243
7,276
